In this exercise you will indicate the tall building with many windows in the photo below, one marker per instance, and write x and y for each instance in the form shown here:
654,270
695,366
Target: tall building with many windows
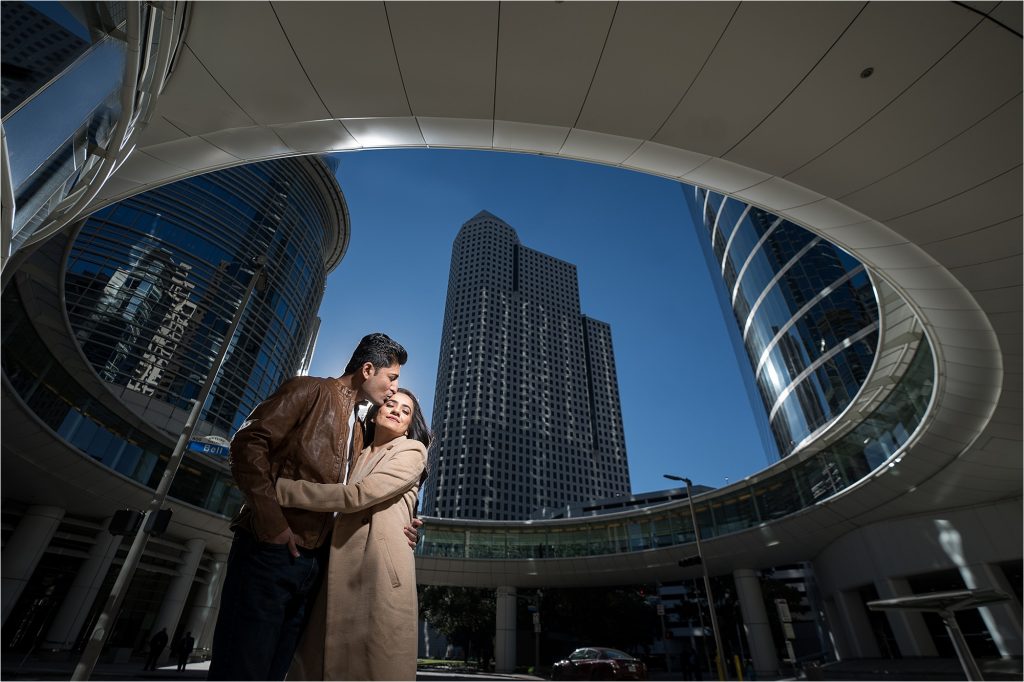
526,412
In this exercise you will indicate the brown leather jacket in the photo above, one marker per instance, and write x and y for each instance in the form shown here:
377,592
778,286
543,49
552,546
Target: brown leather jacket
299,432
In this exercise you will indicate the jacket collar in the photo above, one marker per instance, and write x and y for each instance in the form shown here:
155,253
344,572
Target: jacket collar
366,463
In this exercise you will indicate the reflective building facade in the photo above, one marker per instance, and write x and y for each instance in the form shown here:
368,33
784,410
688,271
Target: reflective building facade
107,344
79,79
805,311
526,413
152,283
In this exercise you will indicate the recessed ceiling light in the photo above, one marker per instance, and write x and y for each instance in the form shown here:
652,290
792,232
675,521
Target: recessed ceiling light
866,73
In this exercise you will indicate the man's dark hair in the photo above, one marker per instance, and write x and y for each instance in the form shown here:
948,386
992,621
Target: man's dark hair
379,349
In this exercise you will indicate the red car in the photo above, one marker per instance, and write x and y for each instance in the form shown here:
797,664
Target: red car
599,663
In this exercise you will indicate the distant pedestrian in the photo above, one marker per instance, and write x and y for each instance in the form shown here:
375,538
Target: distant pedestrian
185,646
156,647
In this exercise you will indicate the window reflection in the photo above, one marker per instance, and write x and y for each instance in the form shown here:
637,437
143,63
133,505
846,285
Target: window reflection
153,282
806,311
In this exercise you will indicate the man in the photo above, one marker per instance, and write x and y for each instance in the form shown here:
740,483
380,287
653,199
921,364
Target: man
185,647
306,430
156,647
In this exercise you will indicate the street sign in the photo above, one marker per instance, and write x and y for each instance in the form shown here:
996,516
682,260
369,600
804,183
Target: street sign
212,449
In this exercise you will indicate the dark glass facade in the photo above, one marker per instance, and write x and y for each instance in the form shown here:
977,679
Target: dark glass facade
151,286
153,282
82,421
805,311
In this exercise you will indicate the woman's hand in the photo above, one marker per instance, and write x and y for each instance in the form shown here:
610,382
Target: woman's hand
412,534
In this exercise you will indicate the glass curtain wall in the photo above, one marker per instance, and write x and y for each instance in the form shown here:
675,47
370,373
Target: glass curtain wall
805,311
153,282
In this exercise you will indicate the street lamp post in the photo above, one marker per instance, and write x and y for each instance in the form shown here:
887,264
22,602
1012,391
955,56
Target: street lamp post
719,653
105,622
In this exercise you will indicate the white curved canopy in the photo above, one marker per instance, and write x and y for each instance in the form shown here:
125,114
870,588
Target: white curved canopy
915,169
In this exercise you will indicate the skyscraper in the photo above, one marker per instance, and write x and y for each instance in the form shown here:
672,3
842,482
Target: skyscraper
526,410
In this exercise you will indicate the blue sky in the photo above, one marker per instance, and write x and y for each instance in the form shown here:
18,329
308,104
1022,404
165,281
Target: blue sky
640,270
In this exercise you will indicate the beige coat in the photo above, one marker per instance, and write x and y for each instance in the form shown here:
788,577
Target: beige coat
363,623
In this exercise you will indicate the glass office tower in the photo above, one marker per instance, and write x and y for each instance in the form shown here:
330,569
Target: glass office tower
153,282
805,311
526,414
151,285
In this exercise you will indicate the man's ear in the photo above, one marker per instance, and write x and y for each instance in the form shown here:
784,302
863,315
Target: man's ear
368,370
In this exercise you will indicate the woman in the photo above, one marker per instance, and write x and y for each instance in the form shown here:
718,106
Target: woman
363,624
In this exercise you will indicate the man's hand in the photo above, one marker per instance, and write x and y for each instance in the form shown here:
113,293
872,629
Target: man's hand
412,534
287,537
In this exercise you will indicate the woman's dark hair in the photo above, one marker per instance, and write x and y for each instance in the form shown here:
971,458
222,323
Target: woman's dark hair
379,349
417,429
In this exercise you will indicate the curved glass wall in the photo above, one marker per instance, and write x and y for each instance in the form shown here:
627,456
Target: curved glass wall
785,490
805,310
151,285
153,282
82,422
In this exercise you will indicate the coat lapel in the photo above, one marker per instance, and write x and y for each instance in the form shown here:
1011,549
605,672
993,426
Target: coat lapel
366,464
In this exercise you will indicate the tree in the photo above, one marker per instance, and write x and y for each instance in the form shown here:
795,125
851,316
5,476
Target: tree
617,617
465,615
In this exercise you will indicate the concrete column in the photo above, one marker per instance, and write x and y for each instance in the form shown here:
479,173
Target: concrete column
71,615
1003,620
505,631
908,627
24,550
854,615
838,635
755,623
177,593
203,617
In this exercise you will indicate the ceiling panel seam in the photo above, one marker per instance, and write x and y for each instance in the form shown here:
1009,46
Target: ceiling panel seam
401,76
222,88
653,136
302,66
494,90
989,16
597,67
944,199
892,101
175,126
789,94
997,223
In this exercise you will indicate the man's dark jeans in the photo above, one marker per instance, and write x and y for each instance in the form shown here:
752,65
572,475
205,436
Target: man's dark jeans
264,605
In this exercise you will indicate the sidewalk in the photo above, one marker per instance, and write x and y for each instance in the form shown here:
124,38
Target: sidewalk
12,668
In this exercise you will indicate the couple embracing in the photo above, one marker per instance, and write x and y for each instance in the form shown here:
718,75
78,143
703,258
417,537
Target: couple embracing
320,580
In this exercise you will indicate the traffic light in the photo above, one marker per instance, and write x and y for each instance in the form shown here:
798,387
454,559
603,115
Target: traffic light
124,522
157,523
690,561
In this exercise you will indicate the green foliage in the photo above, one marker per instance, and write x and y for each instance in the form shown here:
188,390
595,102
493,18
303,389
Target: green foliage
465,615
